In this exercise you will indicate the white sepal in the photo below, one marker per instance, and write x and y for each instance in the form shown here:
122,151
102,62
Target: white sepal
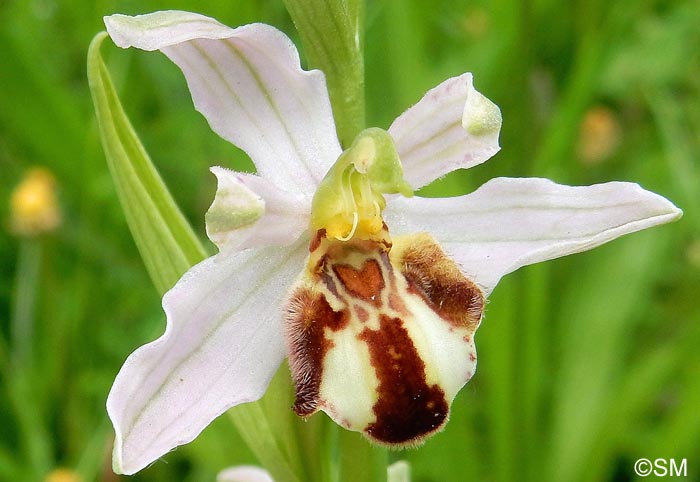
249,85
222,345
510,222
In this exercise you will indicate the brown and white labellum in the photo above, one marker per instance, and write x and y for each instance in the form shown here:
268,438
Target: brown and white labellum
381,336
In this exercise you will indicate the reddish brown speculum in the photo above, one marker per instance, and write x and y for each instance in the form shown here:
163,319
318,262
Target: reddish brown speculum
407,407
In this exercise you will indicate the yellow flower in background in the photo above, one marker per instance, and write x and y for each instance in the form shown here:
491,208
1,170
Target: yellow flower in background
600,135
63,475
34,205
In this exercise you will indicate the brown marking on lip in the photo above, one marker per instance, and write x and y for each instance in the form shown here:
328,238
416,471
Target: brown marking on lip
307,315
362,314
366,283
407,408
316,240
328,282
436,278
397,304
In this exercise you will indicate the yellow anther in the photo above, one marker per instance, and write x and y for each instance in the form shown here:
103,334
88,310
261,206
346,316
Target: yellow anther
355,222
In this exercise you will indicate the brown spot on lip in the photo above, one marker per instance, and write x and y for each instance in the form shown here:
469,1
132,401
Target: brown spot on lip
307,316
366,283
362,314
407,408
316,241
329,282
397,304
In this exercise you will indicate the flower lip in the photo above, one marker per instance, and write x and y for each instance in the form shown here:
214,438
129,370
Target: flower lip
380,336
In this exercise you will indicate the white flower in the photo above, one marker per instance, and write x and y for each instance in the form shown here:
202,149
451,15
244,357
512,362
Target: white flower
379,337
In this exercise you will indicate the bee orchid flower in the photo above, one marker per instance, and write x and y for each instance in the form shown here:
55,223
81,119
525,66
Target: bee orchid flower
327,258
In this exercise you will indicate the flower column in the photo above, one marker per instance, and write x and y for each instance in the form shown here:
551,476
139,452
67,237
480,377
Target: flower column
333,38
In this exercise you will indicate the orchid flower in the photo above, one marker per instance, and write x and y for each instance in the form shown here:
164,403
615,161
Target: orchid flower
326,257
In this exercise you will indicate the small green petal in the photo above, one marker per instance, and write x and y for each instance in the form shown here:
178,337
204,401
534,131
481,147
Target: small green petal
481,116
234,207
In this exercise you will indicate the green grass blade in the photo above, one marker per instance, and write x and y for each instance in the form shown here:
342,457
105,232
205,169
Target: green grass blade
165,240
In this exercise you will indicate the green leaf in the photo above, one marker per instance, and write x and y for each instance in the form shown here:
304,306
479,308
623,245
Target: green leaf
167,244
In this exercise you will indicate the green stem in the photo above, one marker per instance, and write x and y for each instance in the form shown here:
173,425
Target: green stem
331,33
531,367
27,282
287,446
331,464
252,423
358,460
20,387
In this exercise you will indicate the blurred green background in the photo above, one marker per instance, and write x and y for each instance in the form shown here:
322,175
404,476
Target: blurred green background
586,363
